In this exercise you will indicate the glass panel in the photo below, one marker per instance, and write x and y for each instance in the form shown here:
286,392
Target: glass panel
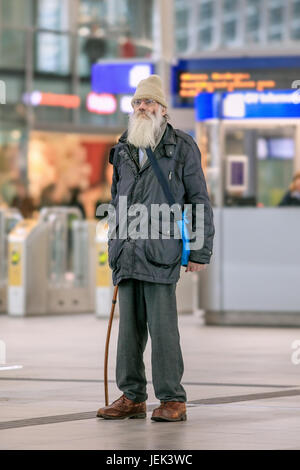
253,36
182,44
118,28
229,30
275,35
276,15
181,20
253,3
229,5
53,14
92,10
274,177
17,13
205,37
12,49
68,244
80,253
275,159
206,11
52,53
296,9
58,240
270,156
295,33
252,22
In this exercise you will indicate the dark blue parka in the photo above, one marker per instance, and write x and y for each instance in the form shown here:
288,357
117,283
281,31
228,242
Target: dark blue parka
157,260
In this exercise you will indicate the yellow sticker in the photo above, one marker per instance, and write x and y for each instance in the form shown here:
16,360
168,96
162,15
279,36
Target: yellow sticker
15,264
102,258
103,273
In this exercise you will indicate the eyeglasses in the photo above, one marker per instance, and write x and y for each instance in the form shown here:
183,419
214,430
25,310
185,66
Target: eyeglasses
139,102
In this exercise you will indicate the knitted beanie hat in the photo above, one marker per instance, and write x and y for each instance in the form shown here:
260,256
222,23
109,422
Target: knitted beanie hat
150,88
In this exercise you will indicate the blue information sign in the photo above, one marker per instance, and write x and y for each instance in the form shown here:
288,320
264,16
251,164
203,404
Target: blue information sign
248,104
118,78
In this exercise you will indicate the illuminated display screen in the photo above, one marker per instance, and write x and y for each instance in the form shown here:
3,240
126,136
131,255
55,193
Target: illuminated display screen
237,177
194,76
190,84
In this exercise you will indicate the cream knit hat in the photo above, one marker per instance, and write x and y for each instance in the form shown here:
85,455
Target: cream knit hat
150,88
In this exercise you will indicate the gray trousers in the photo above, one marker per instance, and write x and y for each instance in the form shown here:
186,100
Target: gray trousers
142,303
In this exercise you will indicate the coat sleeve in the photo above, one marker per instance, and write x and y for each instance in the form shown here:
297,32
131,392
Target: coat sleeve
196,192
115,177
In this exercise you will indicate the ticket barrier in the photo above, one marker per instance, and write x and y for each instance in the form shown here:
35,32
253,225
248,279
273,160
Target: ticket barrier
51,264
104,286
8,219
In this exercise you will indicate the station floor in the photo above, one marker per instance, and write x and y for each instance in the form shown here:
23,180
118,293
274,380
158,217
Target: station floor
243,388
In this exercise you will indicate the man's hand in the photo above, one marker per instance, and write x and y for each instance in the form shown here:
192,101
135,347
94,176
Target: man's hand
195,267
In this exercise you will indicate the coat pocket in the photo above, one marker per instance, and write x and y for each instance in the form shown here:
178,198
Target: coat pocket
162,252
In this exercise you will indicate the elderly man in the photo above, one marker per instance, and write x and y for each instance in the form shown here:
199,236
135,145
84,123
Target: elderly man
147,269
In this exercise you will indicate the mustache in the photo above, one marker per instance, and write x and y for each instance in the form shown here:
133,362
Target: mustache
145,112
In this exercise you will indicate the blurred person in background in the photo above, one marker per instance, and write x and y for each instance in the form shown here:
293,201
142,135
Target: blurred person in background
146,270
95,46
292,197
23,201
56,194
127,47
15,194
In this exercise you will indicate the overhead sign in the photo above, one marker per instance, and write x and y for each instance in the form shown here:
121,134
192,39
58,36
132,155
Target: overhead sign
119,78
190,84
102,103
247,105
125,104
189,77
39,98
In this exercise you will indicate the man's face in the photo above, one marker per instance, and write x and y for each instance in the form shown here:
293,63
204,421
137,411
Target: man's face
145,122
144,108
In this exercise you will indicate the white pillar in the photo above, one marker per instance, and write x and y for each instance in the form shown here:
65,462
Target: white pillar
163,40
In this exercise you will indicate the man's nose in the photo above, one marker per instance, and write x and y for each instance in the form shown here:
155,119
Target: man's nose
142,106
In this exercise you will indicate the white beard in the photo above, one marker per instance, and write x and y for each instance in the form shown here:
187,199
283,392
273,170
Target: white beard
142,131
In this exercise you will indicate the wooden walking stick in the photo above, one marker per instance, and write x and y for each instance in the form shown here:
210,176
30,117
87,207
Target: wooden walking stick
114,301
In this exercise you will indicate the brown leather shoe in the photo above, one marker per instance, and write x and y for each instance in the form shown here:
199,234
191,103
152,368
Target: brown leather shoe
170,411
123,408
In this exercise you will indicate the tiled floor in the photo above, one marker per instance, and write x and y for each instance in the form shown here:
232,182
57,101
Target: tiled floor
243,389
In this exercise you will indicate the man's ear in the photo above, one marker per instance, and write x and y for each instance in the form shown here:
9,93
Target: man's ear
163,110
